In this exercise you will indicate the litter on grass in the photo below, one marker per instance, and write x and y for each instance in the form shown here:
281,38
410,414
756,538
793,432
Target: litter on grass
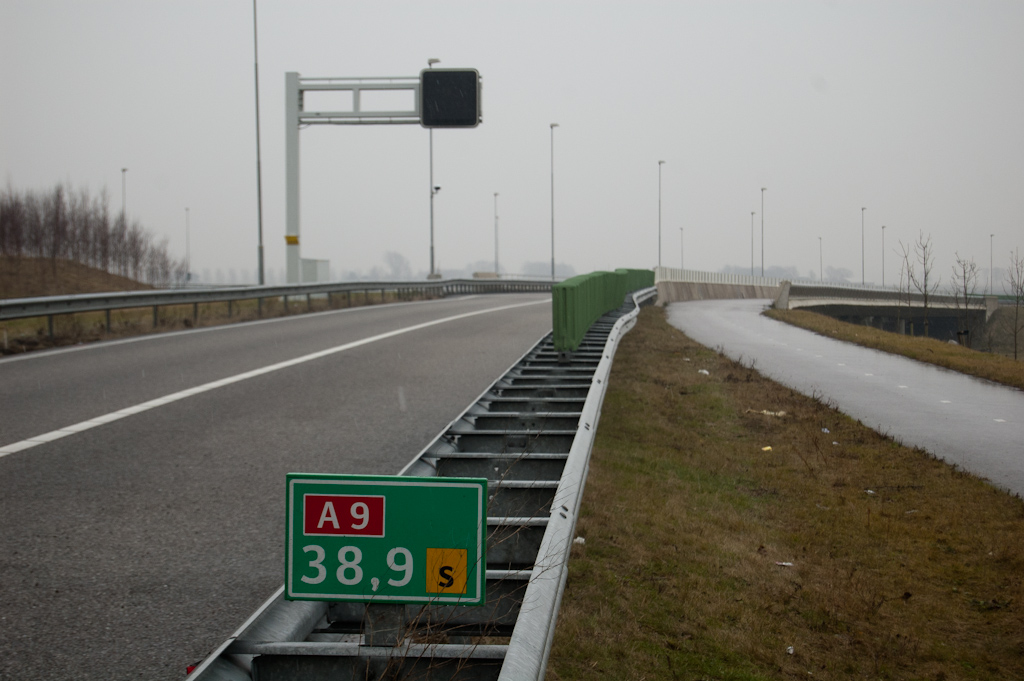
825,430
579,540
766,449
765,412
705,372
784,563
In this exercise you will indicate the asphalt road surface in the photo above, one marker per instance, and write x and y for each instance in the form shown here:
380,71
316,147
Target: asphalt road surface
142,481
976,424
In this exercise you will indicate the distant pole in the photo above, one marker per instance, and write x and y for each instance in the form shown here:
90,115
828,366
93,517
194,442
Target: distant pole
821,265
991,237
553,126
188,251
883,256
496,233
752,243
762,229
124,196
433,189
862,280
259,171
682,260
660,163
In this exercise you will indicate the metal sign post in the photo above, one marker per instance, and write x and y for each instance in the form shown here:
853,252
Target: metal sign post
381,539
451,98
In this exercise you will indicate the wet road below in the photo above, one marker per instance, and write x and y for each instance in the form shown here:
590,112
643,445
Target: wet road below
970,422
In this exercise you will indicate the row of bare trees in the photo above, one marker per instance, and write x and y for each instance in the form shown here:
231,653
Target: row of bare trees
916,274
61,224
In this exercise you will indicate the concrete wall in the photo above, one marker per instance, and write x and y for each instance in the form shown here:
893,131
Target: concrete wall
680,291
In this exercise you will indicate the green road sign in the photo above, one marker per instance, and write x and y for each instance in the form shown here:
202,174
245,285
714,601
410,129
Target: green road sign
387,539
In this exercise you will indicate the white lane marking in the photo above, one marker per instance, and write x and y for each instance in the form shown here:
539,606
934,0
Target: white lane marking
999,420
946,402
869,374
213,385
841,364
901,386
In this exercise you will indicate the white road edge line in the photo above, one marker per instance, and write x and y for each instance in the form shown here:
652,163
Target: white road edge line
237,378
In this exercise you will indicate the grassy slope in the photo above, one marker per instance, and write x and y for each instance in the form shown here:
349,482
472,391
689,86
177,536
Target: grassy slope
686,518
29,277
981,364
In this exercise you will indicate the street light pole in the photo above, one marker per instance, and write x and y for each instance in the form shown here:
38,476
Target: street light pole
495,233
124,197
660,163
991,237
188,251
762,229
821,265
862,209
883,256
682,260
553,126
433,189
259,172
752,243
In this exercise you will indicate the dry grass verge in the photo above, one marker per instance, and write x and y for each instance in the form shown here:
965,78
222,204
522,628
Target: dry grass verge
986,365
836,554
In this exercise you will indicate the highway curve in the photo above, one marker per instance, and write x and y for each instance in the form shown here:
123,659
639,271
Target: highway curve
142,481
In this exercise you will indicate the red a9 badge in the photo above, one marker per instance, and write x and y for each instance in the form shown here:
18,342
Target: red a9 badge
343,515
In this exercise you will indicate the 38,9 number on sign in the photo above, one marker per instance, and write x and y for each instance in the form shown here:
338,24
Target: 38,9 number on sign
365,538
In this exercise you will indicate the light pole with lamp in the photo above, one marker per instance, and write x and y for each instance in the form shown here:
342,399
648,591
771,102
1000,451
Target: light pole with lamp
553,126
763,189
433,189
883,256
862,209
991,237
496,234
821,265
752,243
660,163
124,197
188,251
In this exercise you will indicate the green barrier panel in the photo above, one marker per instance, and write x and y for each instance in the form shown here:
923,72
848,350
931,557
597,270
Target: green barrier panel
579,302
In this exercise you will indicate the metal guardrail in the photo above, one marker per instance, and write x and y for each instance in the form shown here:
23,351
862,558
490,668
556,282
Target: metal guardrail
48,306
530,434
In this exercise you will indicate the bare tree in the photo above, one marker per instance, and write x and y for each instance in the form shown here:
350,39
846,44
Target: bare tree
56,226
904,288
924,253
12,223
963,286
1016,292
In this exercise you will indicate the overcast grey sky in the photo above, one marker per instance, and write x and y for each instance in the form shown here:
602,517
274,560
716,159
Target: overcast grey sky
914,110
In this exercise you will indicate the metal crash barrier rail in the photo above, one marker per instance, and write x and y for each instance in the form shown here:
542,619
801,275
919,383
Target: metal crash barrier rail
48,306
530,434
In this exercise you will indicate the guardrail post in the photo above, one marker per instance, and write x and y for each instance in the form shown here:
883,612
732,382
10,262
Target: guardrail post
309,301
108,320
49,323
156,316
286,304
195,311
385,625
348,299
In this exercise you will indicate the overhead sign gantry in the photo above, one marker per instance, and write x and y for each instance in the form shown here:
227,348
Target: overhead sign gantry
443,98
